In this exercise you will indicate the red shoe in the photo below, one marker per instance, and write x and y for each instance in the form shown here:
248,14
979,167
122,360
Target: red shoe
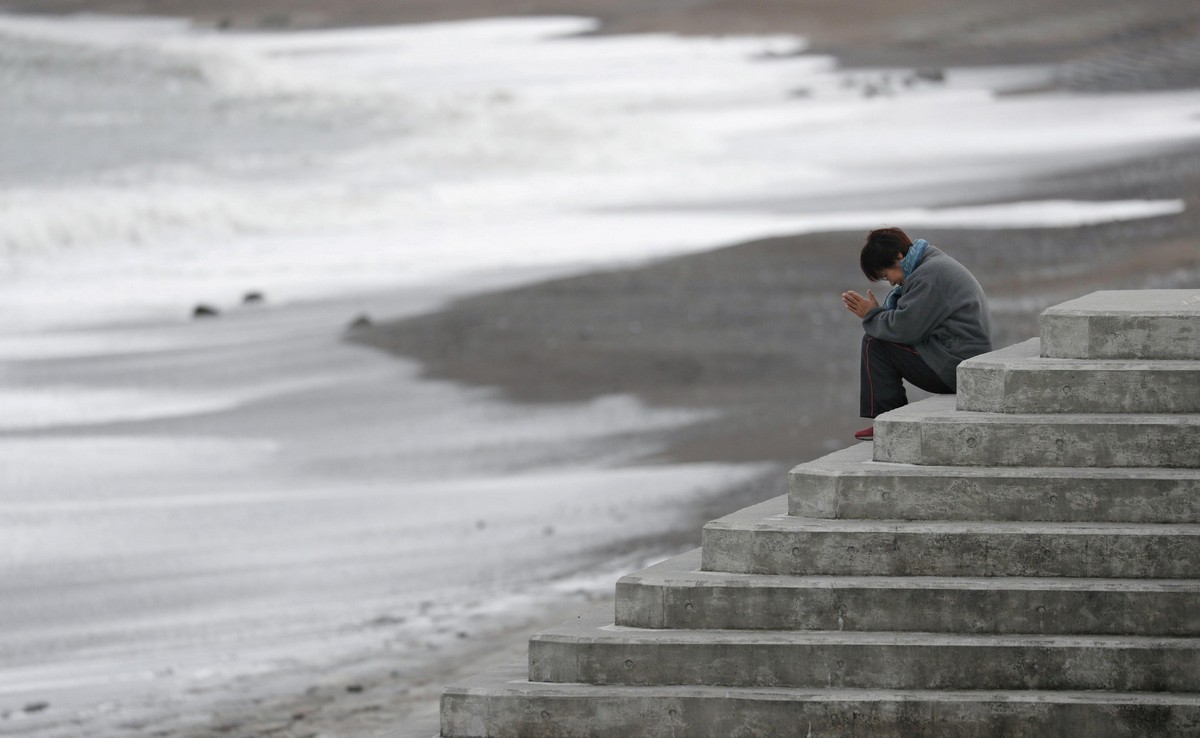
866,434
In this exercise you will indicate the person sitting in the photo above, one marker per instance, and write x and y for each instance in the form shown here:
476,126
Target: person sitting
935,317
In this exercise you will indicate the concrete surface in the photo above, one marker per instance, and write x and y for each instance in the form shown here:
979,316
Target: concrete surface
591,650
1124,324
986,558
1018,379
505,703
848,484
763,539
676,593
932,431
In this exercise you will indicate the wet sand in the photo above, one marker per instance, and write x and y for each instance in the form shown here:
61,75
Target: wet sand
757,329
754,330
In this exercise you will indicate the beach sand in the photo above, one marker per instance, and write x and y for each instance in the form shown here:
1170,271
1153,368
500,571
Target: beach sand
754,330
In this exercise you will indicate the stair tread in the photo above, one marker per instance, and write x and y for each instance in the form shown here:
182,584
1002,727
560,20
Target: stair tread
597,627
514,677
857,460
1148,303
1026,356
772,516
942,409
684,570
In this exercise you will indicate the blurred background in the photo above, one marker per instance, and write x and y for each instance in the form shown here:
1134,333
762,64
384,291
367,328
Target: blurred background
346,344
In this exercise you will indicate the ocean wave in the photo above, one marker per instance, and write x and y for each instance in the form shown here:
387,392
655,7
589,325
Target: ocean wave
153,157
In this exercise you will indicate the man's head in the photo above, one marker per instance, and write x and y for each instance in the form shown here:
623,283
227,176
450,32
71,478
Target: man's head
881,255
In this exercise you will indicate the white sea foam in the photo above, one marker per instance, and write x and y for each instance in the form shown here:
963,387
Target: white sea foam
313,163
48,407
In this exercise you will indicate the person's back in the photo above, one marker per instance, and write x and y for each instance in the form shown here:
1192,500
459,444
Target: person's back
935,318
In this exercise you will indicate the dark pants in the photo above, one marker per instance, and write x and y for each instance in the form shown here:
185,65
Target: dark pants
884,366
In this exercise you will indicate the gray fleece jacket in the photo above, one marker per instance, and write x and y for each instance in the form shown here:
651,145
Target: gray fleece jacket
942,313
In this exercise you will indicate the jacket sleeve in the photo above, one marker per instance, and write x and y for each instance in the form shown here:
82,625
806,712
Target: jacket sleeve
919,310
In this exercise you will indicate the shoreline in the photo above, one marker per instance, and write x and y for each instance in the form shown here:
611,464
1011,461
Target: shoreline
746,329
348,677
756,330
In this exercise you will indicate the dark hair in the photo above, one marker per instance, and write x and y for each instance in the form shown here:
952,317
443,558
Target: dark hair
880,251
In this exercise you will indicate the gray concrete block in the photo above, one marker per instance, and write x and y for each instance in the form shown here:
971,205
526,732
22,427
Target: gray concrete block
1124,324
504,704
677,594
591,650
933,432
763,539
1018,380
848,484
967,574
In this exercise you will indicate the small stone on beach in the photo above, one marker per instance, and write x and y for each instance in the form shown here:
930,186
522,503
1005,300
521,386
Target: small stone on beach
253,298
205,311
932,74
354,688
36,707
362,321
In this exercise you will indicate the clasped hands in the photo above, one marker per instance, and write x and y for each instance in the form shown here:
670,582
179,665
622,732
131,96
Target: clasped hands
858,304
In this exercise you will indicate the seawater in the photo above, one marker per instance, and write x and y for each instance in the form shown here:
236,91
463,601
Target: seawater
147,164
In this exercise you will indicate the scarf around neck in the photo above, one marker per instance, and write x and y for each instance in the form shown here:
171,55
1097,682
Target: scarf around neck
907,265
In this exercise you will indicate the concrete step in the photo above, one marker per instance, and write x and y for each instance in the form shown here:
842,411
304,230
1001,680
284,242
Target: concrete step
504,704
933,432
1124,324
676,593
763,539
592,650
1018,380
848,484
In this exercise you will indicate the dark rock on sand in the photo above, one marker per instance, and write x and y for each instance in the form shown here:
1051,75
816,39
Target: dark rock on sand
33,707
205,311
931,74
361,322
253,298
